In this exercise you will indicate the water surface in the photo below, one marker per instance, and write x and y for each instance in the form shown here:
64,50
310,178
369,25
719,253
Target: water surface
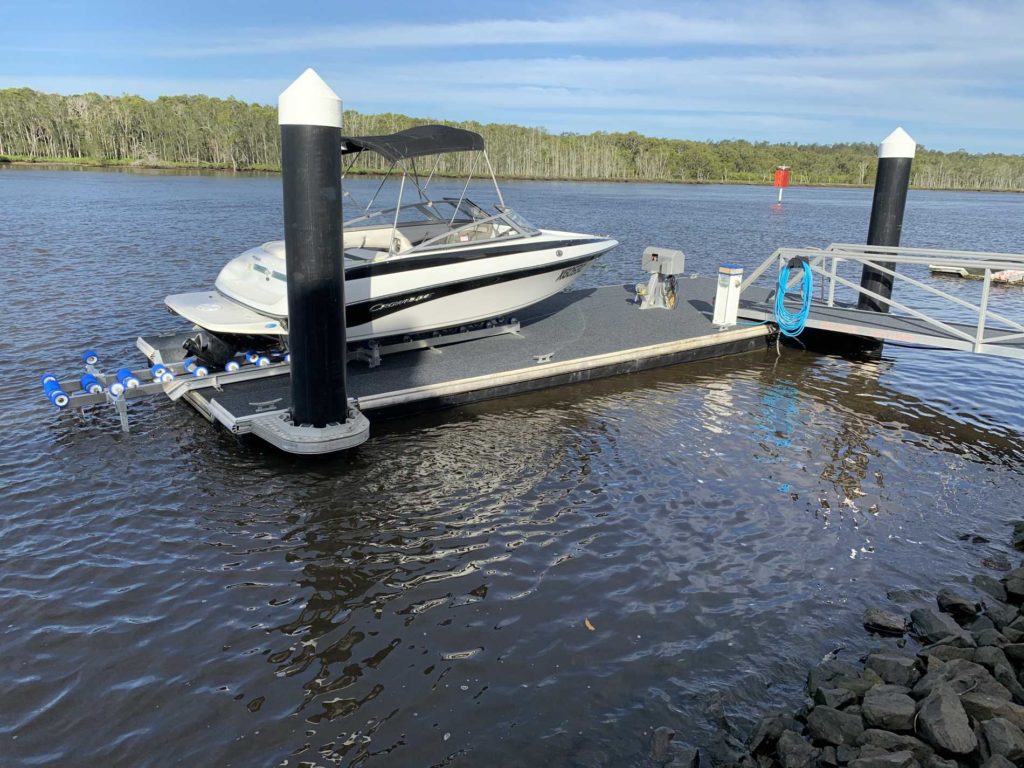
174,596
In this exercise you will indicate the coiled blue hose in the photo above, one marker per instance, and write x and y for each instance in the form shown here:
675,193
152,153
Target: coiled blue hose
792,324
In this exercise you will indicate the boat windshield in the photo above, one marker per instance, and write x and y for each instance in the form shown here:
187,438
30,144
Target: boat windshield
448,211
504,225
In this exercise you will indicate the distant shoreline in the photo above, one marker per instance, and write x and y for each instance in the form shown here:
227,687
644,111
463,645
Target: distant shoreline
57,163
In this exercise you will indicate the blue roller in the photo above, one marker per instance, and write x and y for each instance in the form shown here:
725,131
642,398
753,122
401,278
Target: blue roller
91,384
167,376
116,388
125,376
252,357
189,363
287,357
158,370
262,361
55,394
91,357
46,377
200,370
232,366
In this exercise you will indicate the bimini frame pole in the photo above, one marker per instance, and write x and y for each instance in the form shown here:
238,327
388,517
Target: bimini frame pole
501,200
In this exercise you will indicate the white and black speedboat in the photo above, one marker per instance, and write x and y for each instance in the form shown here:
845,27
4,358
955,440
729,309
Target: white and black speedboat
417,267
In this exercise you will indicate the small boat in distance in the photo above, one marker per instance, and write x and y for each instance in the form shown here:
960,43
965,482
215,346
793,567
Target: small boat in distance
417,267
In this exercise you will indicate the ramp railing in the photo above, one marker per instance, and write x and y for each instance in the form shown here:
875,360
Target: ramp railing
977,337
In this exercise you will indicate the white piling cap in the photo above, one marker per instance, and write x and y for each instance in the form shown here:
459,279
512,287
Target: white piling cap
897,144
309,101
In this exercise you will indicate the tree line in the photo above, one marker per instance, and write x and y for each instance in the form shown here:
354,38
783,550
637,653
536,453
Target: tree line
205,132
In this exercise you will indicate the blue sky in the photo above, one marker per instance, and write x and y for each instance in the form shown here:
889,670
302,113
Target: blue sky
951,73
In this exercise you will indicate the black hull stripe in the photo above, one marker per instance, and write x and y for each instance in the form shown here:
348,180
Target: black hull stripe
394,266
363,312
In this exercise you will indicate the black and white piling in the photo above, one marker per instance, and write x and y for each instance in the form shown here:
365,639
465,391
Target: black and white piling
309,113
895,154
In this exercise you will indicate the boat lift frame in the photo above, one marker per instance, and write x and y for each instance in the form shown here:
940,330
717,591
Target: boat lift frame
915,325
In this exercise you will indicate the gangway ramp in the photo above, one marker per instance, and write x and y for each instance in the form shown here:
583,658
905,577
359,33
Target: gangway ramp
945,321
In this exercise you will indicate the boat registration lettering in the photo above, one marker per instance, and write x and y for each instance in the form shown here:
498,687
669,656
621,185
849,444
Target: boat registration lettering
570,271
400,302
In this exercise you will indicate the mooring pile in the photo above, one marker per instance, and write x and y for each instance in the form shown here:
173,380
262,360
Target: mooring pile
958,700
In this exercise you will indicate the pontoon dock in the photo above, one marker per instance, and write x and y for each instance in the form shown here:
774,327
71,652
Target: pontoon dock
571,337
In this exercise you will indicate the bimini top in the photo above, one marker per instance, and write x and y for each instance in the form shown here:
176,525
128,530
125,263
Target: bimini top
415,142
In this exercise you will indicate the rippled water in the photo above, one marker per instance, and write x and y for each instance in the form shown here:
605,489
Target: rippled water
174,596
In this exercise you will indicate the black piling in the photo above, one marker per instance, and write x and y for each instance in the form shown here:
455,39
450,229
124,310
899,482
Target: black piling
310,117
895,154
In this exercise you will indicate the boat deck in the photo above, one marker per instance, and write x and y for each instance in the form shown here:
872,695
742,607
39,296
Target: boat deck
571,337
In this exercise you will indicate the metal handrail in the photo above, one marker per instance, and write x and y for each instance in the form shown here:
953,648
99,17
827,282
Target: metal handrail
825,262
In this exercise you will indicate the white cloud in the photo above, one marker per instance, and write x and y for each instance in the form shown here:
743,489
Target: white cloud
807,72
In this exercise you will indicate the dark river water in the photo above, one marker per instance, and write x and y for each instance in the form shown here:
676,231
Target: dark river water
176,597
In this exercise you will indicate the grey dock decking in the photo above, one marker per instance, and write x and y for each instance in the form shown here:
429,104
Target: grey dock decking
570,337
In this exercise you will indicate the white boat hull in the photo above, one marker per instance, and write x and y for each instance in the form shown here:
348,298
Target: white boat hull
398,297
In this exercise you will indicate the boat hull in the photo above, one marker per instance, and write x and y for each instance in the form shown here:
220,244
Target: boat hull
383,299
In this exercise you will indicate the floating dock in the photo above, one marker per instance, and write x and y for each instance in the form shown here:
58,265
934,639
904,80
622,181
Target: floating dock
571,337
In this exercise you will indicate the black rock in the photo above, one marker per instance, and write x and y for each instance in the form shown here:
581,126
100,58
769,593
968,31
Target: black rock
888,709
888,760
961,676
946,652
979,623
981,706
829,757
935,627
682,756
883,622
1014,631
989,637
996,761
847,752
725,749
940,762
832,726
959,607
837,698
894,668
1005,677
1018,535
1015,585
1014,652
1004,738
990,586
1002,614
859,685
895,742
822,675
991,657
943,723
794,752
660,741
768,730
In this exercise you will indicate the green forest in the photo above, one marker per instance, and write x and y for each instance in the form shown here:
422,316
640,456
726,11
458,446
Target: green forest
204,132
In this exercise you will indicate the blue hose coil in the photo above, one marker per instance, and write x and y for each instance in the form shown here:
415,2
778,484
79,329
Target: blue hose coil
792,324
